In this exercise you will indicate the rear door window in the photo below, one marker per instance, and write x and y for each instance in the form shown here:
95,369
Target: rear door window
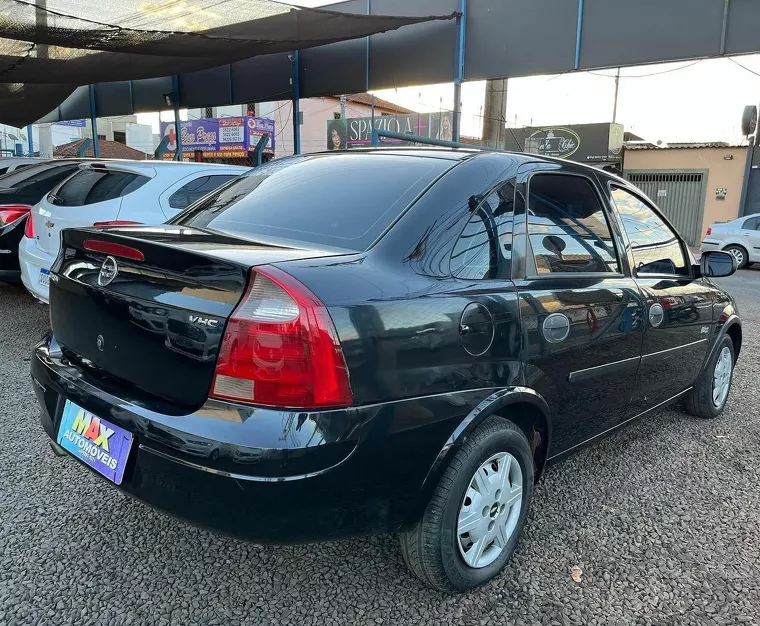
91,186
753,223
341,200
568,230
196,189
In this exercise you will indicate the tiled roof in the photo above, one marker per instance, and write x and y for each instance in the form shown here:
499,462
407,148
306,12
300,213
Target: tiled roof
366,98
108,150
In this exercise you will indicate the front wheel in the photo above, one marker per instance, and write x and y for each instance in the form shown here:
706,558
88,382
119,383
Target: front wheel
471,526
708,398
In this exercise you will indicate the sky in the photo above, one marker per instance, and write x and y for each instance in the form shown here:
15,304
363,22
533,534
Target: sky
686,101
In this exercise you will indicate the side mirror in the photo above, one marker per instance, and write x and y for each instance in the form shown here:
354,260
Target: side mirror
714,264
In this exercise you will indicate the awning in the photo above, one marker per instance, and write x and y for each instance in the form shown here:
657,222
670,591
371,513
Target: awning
49,48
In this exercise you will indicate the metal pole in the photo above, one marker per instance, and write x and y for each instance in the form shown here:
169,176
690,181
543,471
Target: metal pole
747,173
459,73
617,85
94,123
296,112
30,136
177,121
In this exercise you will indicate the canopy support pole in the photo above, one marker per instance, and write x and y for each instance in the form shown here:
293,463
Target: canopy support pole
30,136
578,34
461,31
296,112
94,123
177,123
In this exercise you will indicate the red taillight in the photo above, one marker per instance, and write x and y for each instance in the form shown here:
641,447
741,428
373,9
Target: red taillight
114,249
709,230
117,223
29,227
11,212
280,348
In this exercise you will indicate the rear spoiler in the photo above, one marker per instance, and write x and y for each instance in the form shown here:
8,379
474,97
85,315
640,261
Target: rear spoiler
118,166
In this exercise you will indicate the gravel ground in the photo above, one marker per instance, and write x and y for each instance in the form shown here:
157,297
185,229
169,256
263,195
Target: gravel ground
662,518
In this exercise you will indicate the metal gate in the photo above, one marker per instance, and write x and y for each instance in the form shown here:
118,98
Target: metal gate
680,195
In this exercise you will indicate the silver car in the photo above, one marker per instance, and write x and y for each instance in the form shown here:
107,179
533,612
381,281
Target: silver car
740,237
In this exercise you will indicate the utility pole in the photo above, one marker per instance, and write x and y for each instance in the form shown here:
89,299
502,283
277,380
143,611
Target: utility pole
343,107
45,130
617,85
494,111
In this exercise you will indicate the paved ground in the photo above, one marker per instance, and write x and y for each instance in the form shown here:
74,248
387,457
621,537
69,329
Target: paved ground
663,518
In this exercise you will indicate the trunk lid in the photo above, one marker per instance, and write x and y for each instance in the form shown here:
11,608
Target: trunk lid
147,306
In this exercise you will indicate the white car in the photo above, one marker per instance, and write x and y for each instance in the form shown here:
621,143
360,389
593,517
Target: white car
740,237
110,193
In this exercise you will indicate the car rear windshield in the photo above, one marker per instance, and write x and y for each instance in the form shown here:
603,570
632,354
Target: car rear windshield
90,186
343,201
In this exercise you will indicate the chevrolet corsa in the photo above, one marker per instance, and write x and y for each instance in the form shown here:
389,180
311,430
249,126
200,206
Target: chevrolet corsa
396,341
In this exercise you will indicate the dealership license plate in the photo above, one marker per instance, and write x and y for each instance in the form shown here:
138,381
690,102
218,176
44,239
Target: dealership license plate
100,444
44,278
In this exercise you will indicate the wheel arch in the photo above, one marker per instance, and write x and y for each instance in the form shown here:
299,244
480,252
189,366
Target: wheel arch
523,406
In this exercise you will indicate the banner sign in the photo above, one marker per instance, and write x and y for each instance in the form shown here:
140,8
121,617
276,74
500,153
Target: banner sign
585,143
77,123
223,137
356,132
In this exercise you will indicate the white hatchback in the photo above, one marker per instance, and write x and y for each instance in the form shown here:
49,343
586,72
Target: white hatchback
109,193
740,237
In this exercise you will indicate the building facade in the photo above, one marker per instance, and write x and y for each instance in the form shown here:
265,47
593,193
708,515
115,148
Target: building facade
694,184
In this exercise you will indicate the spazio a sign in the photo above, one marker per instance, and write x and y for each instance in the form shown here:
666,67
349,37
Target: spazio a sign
585,143
356,132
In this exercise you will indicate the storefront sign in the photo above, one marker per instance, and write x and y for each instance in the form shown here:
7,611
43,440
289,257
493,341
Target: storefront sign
586,143
219,137
356,132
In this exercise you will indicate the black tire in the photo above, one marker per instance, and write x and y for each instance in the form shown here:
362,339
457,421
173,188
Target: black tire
700,401
738,252
431,549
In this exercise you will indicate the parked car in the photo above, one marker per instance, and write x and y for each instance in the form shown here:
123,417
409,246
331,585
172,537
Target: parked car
111,193
403,340
12,164
739,237
18,192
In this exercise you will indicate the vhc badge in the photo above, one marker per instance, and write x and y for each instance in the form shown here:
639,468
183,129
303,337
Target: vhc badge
108,271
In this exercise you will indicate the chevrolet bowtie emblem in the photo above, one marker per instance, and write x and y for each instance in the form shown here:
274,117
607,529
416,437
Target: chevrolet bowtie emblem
49,224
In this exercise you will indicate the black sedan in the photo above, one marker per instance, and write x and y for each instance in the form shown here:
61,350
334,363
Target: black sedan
19,190
389,341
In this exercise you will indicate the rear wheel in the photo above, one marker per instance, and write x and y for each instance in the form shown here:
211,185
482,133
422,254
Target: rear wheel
739,253
473,521
708,398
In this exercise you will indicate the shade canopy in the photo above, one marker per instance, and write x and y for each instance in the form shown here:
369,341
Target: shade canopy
50,47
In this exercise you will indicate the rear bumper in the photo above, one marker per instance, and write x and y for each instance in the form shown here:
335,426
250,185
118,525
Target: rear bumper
264,475
32,260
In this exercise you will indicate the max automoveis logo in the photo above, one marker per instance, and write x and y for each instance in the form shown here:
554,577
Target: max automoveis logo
91,436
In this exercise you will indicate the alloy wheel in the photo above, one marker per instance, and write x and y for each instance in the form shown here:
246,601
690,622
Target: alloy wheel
738,254
490,510
722,377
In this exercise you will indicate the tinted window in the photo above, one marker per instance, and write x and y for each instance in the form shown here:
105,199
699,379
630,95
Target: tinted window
42,175
196,189
484,249
753,223
567,228
341,200
91,186
656,248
